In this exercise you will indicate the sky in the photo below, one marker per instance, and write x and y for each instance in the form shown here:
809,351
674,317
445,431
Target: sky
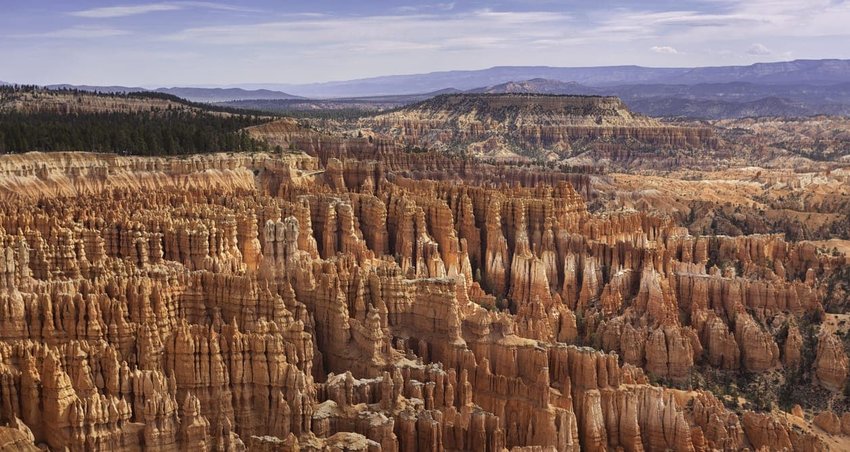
200,43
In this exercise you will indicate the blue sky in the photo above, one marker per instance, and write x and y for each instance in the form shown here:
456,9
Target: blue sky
169,43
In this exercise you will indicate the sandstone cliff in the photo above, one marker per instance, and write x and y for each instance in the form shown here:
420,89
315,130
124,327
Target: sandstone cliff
553,127
335,302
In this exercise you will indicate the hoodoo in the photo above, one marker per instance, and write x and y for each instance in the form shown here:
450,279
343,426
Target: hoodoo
272,302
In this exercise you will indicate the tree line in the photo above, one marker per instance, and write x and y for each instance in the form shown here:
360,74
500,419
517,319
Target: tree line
35,89
172,132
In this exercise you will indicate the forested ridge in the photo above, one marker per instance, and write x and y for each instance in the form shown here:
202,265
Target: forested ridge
10,91
183,128
160,133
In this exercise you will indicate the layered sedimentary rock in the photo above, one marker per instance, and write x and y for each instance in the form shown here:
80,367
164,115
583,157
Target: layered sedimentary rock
510,125
334,302
831,363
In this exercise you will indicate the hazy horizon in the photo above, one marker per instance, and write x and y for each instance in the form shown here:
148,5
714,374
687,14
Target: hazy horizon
198,43
272,85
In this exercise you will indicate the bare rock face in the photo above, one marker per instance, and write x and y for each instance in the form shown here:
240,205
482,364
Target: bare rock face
413,302
722,348
764,431
669,353
831,363
791,349
829,422
759,352
509,125
15,439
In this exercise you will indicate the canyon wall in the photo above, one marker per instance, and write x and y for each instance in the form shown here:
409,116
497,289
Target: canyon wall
342,302
550,127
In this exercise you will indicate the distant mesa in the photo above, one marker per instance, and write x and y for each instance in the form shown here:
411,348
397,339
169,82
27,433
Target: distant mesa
551,127
224,94
579,106
538,86
813,72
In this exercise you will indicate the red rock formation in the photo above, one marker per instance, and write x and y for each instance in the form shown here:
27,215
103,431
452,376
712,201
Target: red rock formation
791,355
829,422
485,124
831,363
763,431
264,305
758,350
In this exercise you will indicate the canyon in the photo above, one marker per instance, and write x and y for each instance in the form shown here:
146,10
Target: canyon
274,302
727,177
393,285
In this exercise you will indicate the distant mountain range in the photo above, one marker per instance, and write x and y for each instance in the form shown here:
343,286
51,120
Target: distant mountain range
225,94
793,88
312,106
701,101
704,100
811,72
538,86
207,95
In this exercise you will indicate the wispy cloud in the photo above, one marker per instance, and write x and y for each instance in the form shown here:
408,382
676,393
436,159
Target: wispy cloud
381,34
123,11
78,32
734,19
107,12
447,6
332,39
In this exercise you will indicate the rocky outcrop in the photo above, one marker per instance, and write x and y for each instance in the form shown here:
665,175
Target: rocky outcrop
763,431
759,352
311,303
507,125
829,422
831,362
791,355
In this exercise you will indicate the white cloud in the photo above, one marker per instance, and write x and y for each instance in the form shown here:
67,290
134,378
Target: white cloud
80,32
329,44
751,20
107,12
123,11
382,34
667,50
447,6
758,50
